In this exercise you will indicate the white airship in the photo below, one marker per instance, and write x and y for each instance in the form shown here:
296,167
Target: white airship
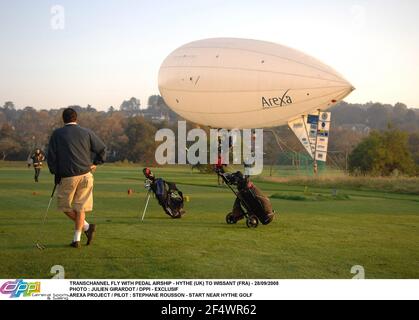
239,83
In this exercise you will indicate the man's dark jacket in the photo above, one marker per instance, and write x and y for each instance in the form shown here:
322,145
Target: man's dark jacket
71,149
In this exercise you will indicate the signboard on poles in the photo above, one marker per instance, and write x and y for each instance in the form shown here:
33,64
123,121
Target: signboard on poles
313,131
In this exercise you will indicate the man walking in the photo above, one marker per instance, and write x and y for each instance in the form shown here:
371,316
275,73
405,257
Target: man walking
69,159
37,158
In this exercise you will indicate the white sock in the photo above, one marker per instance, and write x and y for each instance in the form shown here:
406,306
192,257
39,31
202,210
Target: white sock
85,226
77,236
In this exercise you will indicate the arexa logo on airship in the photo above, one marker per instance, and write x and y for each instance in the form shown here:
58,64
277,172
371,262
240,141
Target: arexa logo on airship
280,101
217,147
19,288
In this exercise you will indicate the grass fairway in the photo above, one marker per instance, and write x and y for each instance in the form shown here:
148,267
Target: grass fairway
315,238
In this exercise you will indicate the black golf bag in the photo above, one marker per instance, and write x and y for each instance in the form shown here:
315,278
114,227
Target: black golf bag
250,202
167,194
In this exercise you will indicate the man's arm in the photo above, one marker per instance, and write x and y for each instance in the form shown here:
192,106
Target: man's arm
98,148
52,155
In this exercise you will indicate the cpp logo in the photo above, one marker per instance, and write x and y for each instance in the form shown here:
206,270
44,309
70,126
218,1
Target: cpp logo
20,287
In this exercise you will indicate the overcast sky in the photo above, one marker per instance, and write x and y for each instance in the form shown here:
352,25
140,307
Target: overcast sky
109,51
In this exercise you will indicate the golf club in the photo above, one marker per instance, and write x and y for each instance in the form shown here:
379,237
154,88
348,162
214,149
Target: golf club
38,243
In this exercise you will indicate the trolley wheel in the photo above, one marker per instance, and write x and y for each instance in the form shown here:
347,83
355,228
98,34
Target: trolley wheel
252,222
230,218
176,215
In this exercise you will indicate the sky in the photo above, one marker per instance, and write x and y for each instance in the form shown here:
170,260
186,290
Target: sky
101,52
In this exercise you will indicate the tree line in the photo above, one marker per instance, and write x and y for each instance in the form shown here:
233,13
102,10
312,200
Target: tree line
128,130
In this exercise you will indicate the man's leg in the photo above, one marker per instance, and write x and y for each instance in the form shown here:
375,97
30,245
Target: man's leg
78,226
83,201
80,220
73,216
65,197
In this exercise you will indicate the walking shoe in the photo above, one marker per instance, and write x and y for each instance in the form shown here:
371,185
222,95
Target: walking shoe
75,244
90,233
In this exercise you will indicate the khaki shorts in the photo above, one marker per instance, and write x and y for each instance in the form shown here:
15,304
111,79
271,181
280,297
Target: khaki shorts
75,193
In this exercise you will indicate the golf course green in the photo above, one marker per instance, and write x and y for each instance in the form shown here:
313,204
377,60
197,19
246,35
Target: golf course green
320,232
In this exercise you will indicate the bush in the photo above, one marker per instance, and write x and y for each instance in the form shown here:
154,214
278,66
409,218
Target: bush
383,154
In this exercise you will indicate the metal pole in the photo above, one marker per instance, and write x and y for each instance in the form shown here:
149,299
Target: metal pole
315,165
146,205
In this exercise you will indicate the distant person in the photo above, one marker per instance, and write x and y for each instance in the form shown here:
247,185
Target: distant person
248,165
315,168
37,161
70,160
220,166
219,169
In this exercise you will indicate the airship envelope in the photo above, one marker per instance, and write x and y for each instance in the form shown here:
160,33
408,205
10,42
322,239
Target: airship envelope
238,83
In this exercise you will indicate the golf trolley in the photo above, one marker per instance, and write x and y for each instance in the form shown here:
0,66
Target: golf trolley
250,203
167,194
